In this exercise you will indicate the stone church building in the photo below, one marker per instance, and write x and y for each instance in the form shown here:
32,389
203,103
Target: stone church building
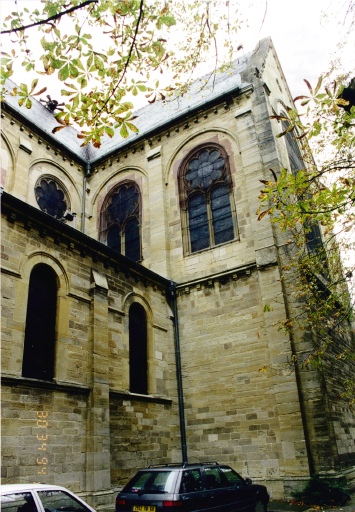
134,284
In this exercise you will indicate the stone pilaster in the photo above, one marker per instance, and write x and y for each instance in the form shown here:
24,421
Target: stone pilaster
98,437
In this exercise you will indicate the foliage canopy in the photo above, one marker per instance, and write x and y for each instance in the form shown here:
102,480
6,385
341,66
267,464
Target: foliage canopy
315,204
107,52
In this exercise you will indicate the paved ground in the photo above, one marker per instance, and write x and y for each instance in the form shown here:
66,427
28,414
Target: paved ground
283,506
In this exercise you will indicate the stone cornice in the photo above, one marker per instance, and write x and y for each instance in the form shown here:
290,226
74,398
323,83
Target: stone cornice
16,210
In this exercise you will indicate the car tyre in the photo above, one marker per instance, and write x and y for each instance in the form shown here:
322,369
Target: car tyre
260,506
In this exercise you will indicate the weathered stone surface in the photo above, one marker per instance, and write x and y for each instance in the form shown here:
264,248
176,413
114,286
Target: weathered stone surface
245,402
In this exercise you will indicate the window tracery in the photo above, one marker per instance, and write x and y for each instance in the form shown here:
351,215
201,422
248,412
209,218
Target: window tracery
206,199
120,221
51,197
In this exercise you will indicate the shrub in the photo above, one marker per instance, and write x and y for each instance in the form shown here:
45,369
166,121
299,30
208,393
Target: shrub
321,491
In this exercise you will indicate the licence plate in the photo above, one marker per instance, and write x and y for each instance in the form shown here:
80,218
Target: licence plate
144,508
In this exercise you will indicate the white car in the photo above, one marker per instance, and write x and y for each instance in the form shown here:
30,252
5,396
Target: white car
40,498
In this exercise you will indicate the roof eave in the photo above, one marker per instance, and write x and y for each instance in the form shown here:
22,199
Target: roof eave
16,210
31,125
238,91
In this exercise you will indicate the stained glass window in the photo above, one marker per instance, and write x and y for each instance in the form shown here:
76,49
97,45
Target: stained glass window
51,198
121,221
206,199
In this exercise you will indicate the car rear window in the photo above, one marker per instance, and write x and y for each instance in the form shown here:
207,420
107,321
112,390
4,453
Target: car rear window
18,502
152,482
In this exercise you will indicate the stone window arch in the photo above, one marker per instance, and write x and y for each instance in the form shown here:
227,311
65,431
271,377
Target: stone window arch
138,349
120,226
52,197
313,235
206,199
293,149
40,330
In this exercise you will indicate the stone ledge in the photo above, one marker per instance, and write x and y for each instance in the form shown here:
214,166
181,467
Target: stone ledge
126,395
11,380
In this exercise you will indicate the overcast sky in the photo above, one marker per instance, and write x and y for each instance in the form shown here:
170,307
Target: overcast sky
304,33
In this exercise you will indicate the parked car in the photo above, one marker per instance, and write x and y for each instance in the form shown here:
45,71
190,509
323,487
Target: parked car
191,488
40,498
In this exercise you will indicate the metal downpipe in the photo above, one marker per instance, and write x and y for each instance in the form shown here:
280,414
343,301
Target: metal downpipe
172,289
83,202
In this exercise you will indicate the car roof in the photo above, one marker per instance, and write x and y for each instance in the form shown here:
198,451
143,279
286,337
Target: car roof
179,465
28,487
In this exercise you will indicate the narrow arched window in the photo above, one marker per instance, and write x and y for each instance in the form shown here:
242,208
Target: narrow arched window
120,221
138,350
39,344
293,149
313,236
206,199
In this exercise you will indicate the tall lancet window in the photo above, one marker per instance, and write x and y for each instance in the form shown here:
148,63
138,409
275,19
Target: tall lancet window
120,221
138,349
206,199
40,333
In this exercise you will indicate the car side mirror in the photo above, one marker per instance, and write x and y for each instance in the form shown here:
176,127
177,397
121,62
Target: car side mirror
248,481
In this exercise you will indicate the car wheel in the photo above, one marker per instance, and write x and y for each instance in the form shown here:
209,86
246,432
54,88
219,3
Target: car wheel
260,507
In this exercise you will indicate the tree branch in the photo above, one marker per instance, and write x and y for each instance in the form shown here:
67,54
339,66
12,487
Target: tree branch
55,17
127,61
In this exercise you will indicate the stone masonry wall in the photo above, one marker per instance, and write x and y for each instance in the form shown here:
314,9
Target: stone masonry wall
136,439
43,435
60,430
242,404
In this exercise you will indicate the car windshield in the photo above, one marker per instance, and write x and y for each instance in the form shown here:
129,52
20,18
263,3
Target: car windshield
152,482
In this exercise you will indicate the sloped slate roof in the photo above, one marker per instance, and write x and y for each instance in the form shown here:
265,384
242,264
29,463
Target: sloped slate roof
160,113
39,116
151,117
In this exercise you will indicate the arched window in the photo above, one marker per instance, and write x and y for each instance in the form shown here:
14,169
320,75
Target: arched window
313,235
51,197
293,149
120,221
138,349
206,200
39,344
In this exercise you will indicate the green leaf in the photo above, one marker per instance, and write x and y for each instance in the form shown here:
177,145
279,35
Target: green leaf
63,73
123,131
132,127
109,131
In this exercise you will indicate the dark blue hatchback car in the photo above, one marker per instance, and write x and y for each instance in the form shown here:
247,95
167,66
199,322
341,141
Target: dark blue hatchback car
191,488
